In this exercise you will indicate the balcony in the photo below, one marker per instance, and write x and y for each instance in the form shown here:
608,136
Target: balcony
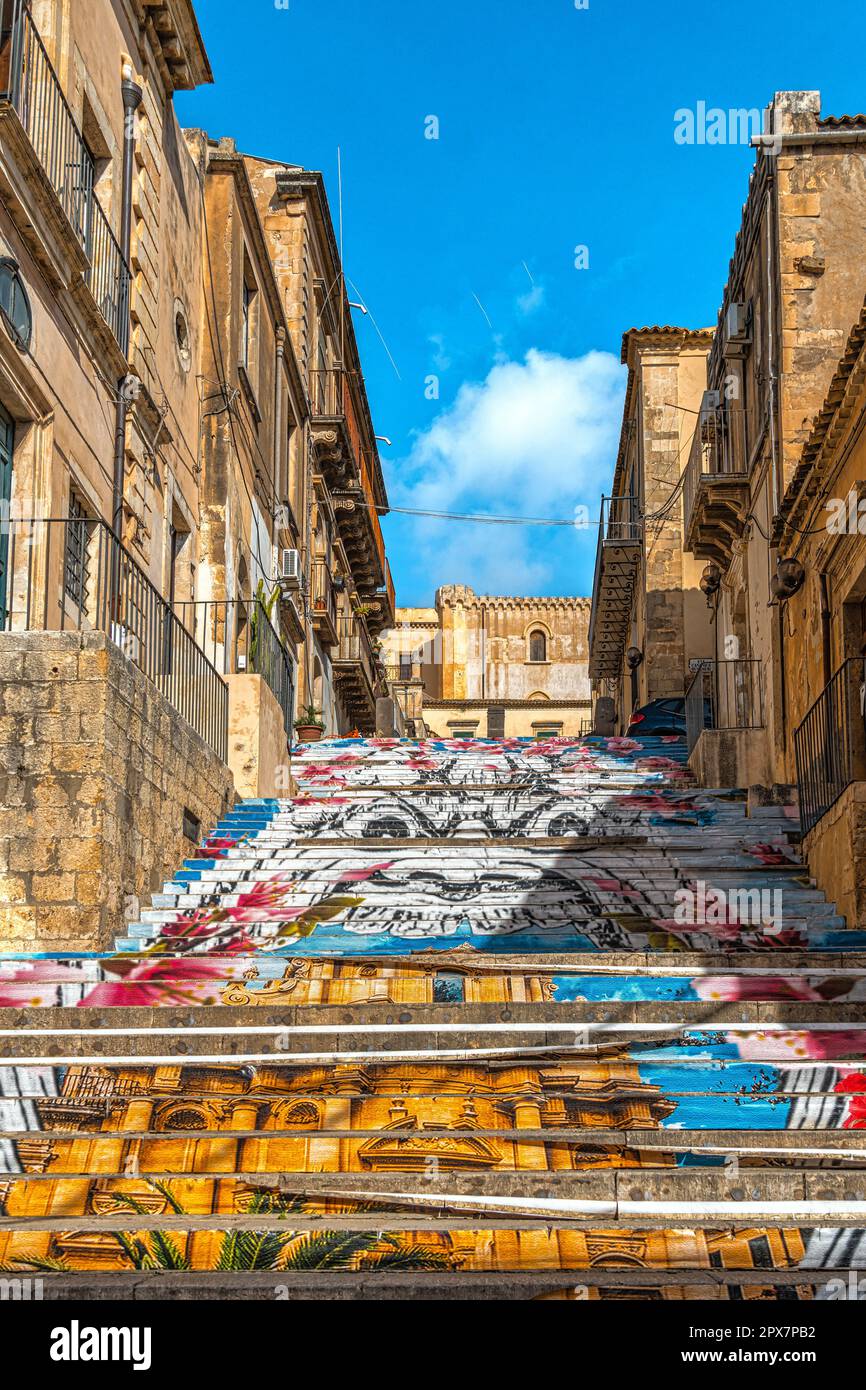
357,671
716,485
238,638
617,562
349,470
47,176
726,696
406,684
74,575
324,607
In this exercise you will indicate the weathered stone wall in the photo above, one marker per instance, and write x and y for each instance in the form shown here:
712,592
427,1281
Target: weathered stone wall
258,743
836,851
670,619
96,771
731,758
485,646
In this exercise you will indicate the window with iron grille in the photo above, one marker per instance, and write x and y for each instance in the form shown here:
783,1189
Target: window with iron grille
75,567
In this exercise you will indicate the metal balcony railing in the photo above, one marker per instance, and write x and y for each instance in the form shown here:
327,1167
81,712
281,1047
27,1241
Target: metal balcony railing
331,396
356,649
66,575
620,532
720,448
725,695
830,744
389,588
238,637
324,594
29,83
404,670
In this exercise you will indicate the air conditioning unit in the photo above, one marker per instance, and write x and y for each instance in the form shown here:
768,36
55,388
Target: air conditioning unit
290,567
738,324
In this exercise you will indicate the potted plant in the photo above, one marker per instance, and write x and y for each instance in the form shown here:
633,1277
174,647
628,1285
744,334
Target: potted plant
309,725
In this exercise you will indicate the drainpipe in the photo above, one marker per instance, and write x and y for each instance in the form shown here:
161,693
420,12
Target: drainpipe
278,410
132,97
826,634
772,231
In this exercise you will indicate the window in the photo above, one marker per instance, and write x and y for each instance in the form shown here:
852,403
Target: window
448,987
762,1255
537,645
496,722
182,335
249,322
15,305
76,562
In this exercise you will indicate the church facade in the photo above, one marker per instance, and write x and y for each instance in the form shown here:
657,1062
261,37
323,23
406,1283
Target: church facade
483,666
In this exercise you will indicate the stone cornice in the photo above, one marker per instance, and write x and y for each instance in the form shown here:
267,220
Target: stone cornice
540,705
174,29
459,594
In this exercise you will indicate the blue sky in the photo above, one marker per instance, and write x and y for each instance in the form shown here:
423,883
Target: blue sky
556,131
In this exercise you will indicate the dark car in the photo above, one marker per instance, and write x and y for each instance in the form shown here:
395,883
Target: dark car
661,717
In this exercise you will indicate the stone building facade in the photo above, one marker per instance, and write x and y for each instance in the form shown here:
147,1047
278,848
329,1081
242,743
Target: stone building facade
821,530
650,624
338,505
795,288
771,489
493,667
187,462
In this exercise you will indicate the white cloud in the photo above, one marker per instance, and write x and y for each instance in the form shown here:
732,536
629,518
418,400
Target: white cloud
441,359
531,301
535,438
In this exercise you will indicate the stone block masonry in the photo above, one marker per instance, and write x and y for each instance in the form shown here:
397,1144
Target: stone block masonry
97,771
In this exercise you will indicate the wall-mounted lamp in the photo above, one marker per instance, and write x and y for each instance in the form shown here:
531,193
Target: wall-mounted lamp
787,581
711,582
383,439
634,658
353,305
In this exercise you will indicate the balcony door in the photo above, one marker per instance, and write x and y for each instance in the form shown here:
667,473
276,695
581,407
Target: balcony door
7,445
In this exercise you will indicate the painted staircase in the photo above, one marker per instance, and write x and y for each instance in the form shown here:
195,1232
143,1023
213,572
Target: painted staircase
462,1019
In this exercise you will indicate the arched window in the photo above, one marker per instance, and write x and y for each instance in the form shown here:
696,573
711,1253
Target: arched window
15,304
537,646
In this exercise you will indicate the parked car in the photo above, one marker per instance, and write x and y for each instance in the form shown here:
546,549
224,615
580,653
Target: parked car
661,717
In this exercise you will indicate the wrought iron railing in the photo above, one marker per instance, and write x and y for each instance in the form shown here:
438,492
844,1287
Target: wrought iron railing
324,594
725,695
30,84
830,744
619,524
238,637
331,396
404,670
389,589
356,649
73,574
